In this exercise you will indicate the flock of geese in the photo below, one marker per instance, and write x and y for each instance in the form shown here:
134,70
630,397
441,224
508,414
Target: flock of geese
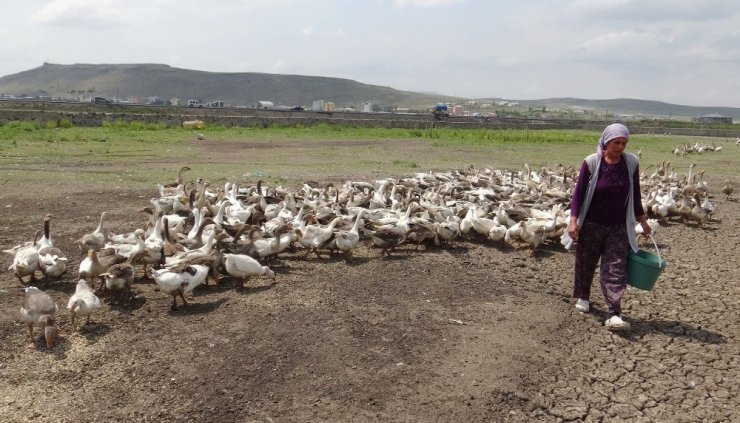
695,148
670,195
194,232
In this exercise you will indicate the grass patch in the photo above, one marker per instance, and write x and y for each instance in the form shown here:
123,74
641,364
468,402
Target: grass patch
153,152
405,163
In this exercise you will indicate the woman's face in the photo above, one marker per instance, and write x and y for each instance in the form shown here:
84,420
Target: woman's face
616,146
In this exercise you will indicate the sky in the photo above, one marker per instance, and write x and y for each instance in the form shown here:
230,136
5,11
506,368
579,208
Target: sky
676,51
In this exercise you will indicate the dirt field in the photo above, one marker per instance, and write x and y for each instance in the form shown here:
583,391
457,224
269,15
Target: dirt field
477,332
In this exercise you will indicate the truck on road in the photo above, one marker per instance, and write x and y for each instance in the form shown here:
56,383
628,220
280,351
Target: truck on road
441,110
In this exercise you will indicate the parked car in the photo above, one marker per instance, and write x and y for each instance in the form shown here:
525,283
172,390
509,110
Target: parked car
100,100
297,108
195,103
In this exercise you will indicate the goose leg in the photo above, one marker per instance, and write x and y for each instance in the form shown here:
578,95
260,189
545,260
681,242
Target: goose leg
184,302
173,306
20,279
30,336
74,325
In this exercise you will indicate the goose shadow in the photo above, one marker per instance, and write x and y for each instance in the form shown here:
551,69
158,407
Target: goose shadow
61,286
92,331
194,308
395,256
454,250
673,328
246,289
357,261
255,289
339,258
542,254
128,307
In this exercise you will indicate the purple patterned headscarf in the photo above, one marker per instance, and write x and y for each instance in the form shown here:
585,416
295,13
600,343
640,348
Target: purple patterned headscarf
615,130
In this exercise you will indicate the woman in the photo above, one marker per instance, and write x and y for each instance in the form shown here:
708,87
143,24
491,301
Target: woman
605,206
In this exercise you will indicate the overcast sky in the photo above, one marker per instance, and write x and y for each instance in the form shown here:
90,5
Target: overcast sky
676,51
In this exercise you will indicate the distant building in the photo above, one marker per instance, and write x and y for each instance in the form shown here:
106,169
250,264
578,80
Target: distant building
714,118
318,106
457,109
367,107
175,101
265,104
329,106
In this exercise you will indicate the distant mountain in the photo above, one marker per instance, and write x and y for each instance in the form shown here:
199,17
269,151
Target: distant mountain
630,106
241,89
247,88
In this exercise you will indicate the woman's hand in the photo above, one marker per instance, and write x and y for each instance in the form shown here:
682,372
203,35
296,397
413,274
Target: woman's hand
646,229
573,229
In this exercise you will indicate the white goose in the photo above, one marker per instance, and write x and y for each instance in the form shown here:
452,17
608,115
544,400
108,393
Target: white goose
448,230
90,267
654,226
346,241
52,262
533,235
83,302
314,236
180,280
25,260
242,267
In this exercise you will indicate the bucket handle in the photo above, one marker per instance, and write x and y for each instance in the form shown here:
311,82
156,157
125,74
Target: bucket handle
656,247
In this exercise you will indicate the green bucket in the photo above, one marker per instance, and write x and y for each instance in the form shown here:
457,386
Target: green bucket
643,268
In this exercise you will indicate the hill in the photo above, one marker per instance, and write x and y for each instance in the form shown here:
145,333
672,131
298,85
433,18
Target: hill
632,106
247,88
240,89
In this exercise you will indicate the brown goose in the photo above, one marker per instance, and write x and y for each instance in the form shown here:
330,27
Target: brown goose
727,189
386,239
180,179
38,309
119,277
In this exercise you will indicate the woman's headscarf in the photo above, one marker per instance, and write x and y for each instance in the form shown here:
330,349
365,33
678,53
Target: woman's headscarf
615,130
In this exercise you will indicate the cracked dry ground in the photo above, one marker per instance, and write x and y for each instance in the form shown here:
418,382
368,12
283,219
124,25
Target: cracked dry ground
477,332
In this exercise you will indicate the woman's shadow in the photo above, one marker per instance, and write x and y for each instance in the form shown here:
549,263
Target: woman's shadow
672,328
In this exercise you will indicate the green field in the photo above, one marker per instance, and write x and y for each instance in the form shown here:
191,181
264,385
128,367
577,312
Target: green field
138,155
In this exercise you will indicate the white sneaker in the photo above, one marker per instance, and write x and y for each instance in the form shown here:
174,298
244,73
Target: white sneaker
582,306
616,323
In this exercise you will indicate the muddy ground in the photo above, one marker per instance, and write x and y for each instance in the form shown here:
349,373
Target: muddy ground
476,332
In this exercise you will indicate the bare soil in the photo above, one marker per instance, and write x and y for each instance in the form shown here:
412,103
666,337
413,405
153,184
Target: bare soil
475,332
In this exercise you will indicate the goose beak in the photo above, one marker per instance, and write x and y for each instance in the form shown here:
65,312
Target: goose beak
50,333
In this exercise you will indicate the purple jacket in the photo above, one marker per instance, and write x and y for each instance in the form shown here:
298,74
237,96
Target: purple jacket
609,203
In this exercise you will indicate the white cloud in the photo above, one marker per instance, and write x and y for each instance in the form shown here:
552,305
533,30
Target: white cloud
424,3
682,51
654,10
81,13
